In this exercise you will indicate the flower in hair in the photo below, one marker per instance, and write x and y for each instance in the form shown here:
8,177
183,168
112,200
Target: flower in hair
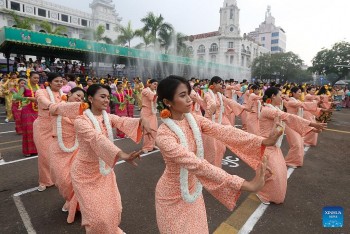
251,91
46,84
268,101
211,87
165,113
64,98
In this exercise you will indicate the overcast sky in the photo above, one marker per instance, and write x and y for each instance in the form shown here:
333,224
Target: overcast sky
309,24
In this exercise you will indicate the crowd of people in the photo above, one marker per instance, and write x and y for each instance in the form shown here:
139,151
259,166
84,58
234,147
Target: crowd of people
69,122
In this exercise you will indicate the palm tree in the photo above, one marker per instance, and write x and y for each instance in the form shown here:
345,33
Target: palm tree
59,30
165,39
97,34
22,22
126,34
146,37
155,25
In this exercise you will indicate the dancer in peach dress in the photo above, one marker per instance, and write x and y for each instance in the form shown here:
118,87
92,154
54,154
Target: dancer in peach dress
215,103
295,156
253,103
198,102
93,177
42,127
180,205
149,112
65,147
311,138
275,186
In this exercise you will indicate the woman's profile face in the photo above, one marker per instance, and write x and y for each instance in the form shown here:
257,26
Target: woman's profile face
182,102
100,100
77,96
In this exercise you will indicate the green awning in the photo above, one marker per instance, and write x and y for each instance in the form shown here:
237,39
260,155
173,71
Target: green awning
21,41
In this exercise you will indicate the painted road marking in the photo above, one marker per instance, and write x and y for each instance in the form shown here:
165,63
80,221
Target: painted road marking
236,220
9,142
32,157
23,212
7,123
335,130
6,132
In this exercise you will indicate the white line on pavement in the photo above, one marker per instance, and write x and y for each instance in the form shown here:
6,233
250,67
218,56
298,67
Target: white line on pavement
258,213
6,132
24,214
19,160
2,162
7,123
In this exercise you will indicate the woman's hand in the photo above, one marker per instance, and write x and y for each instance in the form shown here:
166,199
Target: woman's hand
147,130
319,126
259,180
276,132
129,158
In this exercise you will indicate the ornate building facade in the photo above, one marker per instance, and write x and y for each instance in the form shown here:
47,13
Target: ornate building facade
103,13
227,46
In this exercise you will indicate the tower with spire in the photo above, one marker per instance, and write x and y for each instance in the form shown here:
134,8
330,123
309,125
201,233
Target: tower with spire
104,13
229,18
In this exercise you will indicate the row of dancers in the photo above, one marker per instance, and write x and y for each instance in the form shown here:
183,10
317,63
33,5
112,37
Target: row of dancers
77,154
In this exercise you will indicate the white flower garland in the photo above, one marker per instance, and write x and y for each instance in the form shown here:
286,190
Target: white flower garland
185,193
153,106
104,170
59,126
280,139
222,108
259,109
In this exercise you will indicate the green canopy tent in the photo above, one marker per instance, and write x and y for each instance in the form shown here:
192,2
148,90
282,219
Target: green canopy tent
21,41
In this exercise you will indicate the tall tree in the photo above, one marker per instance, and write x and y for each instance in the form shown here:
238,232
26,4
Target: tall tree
58,30
22,22
146,37
284,66
155,25
334,62
97,34
126,34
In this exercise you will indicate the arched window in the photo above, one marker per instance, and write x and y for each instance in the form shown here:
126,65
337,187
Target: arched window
190,50
213,58
201,49
243,47
214,48
42,31
201,57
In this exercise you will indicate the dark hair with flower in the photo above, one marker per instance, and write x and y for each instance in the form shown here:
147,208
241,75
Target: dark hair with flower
166,90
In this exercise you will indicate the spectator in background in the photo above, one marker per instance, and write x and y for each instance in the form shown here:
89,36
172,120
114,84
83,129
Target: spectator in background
71,80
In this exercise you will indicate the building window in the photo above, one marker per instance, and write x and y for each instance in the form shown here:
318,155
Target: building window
213,59
107,26
190,50
84,22
231,59
242,61
214,48
201,49
41,12
275,48
231,14
263,45
275,41
64,18
230,45
275,34
263,39
15,6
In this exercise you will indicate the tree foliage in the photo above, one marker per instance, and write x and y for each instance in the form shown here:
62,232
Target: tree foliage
156,26
282,66
22,22
333,63
126,34
58,30
97,34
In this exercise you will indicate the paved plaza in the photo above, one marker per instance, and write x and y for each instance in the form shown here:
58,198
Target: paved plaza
323,181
